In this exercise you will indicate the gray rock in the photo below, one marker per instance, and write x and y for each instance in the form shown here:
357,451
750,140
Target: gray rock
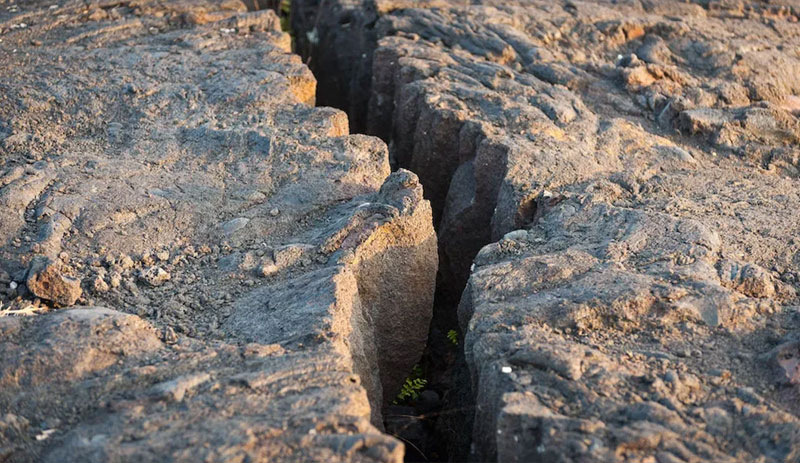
669,151
232,226
157,123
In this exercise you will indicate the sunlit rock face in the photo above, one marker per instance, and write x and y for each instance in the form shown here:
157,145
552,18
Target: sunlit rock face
616,187
214,269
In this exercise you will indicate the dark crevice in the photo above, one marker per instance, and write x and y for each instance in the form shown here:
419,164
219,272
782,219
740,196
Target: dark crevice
339,42
338,45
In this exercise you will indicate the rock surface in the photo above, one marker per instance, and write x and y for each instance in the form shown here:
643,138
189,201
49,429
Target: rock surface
252,282
46,280
614,185
635,165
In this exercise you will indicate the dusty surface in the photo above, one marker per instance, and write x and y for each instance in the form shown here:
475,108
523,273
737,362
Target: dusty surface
217,270
649,152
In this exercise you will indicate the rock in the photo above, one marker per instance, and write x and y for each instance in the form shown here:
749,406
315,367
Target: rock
115,280
126,262
177,388
234,225
45,280
647,243
219,129
267,267
99,284
147,259
785,360
154,276
292,254
61,343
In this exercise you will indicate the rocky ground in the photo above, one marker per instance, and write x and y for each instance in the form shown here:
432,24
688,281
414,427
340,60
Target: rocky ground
198,264
634,166
212,268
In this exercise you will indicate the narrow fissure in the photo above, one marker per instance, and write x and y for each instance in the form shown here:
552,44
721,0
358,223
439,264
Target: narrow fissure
433,412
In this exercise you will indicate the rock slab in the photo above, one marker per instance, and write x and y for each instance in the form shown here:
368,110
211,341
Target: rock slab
252,284
616,184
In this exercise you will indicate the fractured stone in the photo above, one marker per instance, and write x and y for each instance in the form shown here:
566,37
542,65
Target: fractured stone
160,139
649,154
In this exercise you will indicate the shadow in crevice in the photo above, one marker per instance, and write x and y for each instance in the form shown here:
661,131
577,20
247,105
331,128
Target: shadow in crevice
338,42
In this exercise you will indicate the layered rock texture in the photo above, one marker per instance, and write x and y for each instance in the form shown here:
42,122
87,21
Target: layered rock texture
216,270
196,264
635,167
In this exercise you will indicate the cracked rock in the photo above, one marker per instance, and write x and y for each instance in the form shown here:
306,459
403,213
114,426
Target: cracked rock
649,151
171,149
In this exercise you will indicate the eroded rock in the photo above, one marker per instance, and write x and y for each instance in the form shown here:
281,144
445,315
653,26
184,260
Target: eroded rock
649,153
268,282
46,280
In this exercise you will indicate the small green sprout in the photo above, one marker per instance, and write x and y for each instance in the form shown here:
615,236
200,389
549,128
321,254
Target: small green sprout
413,385
411,389
452,335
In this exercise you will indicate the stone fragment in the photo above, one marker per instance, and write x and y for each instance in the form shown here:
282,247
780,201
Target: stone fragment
232,226
99,284
126,262
154,276
46,280
115,280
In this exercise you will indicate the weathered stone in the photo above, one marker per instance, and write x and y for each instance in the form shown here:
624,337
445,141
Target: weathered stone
650,153
45,280
154,276
99,284
171,132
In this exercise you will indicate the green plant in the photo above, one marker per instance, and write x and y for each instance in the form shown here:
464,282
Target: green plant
284,12
413,385
452,335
